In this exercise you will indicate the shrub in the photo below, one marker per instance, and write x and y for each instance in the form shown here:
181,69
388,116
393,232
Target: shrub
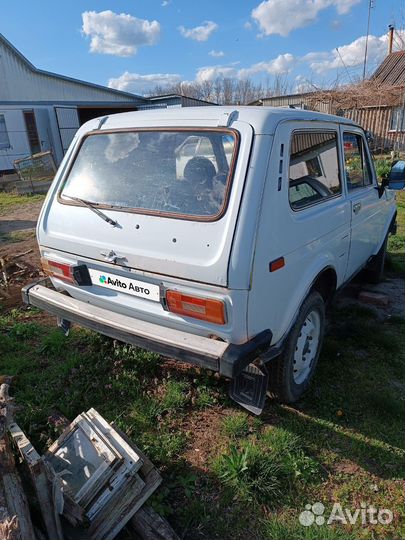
382,167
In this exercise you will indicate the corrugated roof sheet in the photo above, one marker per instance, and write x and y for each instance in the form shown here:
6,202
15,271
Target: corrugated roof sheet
40,73
392,70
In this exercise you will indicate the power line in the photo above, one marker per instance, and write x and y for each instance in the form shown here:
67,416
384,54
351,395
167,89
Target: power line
370,6
344,65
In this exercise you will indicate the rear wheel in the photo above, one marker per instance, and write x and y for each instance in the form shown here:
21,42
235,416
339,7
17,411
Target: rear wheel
290,374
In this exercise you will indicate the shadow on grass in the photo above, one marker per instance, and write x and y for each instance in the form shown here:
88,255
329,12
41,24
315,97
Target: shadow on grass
355,405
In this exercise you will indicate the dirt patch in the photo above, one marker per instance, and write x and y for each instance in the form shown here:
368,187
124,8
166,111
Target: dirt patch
393,288
21,256
20,218
203,428
346,467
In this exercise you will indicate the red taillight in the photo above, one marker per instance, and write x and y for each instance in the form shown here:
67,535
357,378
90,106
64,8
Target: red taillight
206,309
58,270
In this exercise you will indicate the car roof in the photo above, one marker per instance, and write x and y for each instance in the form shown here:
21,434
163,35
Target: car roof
263,119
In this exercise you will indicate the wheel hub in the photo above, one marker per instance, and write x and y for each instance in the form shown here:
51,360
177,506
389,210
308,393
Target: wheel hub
306,347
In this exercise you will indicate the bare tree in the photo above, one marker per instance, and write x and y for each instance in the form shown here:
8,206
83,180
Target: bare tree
227,90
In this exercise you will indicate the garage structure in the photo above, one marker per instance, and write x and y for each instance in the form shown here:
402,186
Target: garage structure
41,111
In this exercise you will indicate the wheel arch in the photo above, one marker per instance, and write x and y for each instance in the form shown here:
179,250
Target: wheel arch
390,227
325,283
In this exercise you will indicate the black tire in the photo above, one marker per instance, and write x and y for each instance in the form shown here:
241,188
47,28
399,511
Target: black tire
282,385
374,272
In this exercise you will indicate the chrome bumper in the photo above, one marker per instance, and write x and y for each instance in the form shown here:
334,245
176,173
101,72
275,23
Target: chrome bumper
228,359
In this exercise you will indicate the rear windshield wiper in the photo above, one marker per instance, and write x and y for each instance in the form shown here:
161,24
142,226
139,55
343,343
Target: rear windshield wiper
92,207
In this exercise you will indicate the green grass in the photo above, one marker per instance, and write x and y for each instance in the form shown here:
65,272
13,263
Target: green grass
11,200
236,425
396,244
226,474
257,474
17,236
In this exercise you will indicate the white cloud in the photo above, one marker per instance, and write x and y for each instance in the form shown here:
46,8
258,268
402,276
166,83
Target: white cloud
283,16
278,66
216,54
211,73
199,33
302,85
352,54
165,3
248,25
118,34
133,82
344,6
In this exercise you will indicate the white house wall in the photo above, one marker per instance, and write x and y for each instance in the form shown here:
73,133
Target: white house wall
19,145
48,133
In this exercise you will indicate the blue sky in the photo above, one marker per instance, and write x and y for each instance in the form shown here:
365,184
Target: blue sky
134,44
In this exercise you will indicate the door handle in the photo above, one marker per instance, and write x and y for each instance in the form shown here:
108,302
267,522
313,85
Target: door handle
356,208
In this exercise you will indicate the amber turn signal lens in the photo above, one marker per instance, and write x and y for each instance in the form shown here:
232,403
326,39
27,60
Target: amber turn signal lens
277,264
205,309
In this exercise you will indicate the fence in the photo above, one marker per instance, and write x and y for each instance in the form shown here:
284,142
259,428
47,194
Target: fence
35,173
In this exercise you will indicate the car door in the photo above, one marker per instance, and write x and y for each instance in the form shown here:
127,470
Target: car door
361,191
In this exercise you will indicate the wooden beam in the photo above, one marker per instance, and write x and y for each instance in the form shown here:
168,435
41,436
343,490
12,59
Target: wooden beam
11,489
43,490
149,525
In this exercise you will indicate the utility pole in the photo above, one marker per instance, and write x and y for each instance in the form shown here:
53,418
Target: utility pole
370,7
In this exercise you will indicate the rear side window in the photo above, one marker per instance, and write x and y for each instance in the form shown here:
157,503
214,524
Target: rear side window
357,166
181,173
314,168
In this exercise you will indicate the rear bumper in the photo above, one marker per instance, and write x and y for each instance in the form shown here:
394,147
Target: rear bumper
226,358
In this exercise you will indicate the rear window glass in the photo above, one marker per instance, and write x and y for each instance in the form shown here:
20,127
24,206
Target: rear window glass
178,172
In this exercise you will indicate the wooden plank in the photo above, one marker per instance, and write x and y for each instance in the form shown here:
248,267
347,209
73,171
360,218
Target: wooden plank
149,525
126,502
113,515
37,470
152,481
10,482
17,504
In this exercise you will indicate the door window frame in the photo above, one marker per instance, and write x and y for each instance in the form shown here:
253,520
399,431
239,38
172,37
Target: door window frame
355,130
320,129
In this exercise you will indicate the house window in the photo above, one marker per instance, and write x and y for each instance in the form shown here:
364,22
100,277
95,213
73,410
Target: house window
32,132
4,140
398,119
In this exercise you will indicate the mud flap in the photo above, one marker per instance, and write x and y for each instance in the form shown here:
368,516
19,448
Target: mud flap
249,388
64,325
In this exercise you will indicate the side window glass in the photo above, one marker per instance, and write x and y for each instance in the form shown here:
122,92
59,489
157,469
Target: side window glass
314,168
357,166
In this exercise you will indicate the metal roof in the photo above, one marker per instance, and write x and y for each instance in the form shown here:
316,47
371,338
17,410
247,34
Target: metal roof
392,70
264,120
179,96
35,70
